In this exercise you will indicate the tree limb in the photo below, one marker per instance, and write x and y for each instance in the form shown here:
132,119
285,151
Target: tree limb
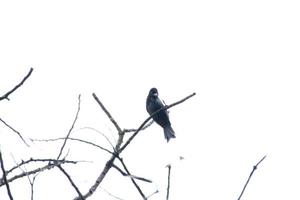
5,96
254,168
14,130
70,130
169,177
132,179
107,113
4,177
71,181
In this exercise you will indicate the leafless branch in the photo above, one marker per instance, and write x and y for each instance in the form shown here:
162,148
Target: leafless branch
31,160
134,130
102,134
31,182
131,176
132,179
49,166
254,168
169,177
70,130
74,139
4,177
110,194
14,130
107,113
103,173
5,96
155,192
71,181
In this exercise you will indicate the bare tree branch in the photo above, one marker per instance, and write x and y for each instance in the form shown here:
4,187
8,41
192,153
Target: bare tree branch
134,130
152,194
31,182
102,134
107,113
103,173
131,176
110,194
254,168
71,181
49,166
5,96
4,177
169,177
74,139
132,179
31,160
14,130
70,130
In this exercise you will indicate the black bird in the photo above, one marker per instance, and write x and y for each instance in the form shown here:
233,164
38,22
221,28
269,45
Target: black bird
162,118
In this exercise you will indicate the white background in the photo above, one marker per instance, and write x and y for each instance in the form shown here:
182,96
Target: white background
240,57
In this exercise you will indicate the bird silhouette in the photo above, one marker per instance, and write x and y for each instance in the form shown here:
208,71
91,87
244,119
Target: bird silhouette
153,104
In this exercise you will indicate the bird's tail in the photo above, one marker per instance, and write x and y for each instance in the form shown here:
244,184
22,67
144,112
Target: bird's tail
169,133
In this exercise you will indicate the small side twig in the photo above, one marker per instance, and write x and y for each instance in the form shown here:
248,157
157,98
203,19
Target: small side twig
74,139
107,113
132,179
5,96
131,176
254,168
134,130
71,181
4,177
70,130
169,177
14,130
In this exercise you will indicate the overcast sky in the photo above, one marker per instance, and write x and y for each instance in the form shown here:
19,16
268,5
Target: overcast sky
240,57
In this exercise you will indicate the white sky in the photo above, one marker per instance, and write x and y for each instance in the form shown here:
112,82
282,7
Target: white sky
240,57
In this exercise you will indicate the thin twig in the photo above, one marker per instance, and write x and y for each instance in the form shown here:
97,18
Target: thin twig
154,113
14,130
71,181
31,182
5,96
155,192
134,130
70,130
4,177
132,179
110,194
74,139
169,177
107,113
93,129
131,176
31,185
254,168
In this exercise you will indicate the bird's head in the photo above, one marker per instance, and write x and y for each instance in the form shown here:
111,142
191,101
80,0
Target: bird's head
153,92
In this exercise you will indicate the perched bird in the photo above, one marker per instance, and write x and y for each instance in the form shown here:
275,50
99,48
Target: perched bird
162,118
